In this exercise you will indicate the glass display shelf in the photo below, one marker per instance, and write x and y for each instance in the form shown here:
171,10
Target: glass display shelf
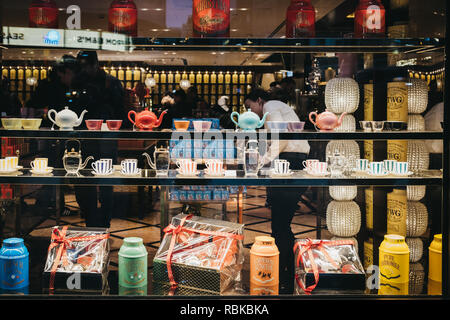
282,45
147,177
169,134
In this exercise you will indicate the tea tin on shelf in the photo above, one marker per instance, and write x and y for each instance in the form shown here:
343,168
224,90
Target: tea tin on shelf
132,263
14,264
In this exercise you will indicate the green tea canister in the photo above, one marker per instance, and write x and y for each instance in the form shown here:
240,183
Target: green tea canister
132,263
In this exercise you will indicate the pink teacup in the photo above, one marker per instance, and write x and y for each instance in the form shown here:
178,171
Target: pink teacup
94,124
114,124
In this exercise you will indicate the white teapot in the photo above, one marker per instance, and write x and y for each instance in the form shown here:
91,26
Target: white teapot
66,119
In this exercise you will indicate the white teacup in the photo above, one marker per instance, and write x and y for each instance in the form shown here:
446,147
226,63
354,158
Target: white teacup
129,166
102,166
308,163
214,167
187,167
319,168
13,162
390,165
376,168
401,168
362,164
39,164
281,166
4,165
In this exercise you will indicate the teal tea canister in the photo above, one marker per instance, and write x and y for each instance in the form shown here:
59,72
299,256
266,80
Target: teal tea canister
132,263
14,264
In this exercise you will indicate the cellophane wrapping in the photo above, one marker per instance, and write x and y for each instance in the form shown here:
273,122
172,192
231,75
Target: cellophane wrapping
89,258
344,261
211,263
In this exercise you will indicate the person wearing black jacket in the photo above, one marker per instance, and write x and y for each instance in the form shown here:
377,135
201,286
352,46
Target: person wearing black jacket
102,96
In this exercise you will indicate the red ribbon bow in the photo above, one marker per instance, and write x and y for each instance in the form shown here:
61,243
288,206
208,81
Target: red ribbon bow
307,247
59,240
175,231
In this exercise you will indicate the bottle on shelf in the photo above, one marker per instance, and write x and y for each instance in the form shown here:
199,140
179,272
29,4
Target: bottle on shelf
43,14
264,264
370,19
122,17
300,19
211,18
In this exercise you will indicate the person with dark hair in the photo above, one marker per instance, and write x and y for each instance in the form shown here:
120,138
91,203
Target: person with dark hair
102,95
288,84
283,201
279,94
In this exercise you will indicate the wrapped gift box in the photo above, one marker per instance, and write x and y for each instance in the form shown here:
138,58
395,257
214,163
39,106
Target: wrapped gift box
336,262
77,261
207,254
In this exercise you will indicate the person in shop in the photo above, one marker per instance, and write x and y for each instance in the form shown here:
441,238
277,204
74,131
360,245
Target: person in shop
222,111
10,104
177,109
283,201
288,84
102,95
53,93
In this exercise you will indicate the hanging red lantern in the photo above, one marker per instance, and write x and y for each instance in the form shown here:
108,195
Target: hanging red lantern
211,18
43,14
370,19
123,17
300,19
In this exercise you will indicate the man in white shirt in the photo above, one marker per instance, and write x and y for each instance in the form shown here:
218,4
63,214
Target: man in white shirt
283,201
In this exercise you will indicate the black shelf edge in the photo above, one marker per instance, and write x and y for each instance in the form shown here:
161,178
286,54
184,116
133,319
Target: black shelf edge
290,45
167,135
148,178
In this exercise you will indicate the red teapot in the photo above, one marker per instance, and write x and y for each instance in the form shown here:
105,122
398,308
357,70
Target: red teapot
326,121
146,120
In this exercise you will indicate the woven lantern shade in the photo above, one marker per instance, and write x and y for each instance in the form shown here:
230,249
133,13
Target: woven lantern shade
346,148
343,218
343,193
348,124
342,95
416,219
415,246
416,278
416,122
417,96
416,193
418,156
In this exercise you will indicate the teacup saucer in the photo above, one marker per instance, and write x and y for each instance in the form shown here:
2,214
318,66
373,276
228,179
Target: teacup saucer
8,171
377,175
13,172
276,174
213,175
102,174
322,174
138,172
49,170
402,175
192,175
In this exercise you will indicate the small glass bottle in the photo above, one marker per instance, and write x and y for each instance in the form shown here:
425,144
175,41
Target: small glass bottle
370,19
43,14
123,17
300,19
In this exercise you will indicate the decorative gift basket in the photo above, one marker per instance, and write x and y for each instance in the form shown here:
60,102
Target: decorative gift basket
77,261
201,254
327,264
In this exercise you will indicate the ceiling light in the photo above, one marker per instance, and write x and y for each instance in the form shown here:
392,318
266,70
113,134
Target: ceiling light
159,9
234,30
166,30
243,9
154,30
144,9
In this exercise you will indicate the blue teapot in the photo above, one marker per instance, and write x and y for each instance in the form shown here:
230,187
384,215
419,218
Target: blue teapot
248,120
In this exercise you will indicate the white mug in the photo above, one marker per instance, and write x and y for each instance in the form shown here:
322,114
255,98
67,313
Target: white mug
401,168
376,168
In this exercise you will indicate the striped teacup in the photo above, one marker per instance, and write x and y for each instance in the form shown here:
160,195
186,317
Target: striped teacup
39,164
401,168
362,164
389,165
4,165
376,168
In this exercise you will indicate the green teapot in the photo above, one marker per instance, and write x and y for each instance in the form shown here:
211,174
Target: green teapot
248,121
